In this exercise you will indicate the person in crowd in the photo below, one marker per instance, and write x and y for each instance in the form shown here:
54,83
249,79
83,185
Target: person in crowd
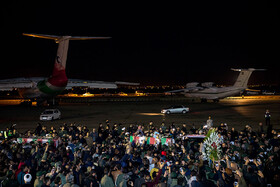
209,122
267,117
137,155
106,180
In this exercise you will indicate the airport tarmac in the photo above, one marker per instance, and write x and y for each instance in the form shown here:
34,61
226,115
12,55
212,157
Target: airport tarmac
235,112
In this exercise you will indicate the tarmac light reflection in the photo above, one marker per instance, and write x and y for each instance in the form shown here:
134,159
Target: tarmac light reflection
151,114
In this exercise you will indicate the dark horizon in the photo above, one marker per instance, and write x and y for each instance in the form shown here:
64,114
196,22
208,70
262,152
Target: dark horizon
169,45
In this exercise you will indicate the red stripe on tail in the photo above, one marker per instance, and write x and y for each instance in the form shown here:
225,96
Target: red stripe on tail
58,77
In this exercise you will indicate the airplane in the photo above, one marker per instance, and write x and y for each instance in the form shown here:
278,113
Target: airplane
207,91
40,89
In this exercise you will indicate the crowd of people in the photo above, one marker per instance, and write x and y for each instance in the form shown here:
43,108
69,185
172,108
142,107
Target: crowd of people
106,157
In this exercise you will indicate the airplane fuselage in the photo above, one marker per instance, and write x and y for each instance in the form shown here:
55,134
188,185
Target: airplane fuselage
215,92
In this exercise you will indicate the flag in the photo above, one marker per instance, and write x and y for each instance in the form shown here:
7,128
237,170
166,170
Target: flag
131,138
165,141
151,140
134,138
55,143
19,140
37,140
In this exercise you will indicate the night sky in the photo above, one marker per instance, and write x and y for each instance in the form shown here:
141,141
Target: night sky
151,44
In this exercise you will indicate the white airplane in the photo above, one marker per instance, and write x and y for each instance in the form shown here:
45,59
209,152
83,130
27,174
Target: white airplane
41,89
206,91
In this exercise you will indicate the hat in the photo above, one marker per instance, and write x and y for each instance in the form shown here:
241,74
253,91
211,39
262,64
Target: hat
27,178
163,153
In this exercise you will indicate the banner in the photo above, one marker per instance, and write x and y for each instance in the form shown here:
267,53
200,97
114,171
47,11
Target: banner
195,136
37,140
151,140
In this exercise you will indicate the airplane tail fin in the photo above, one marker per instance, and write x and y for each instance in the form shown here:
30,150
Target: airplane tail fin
59,78
63,43
244,75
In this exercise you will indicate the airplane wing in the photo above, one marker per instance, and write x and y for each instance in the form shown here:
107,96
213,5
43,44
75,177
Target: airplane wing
91,84
175,91
18,83
11,84
54,37
97,84
185,90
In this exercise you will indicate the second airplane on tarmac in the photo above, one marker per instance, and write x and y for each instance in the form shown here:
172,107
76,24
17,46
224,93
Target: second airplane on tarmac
206,91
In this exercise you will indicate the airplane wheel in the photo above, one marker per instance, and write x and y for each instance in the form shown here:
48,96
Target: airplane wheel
216,100
203,100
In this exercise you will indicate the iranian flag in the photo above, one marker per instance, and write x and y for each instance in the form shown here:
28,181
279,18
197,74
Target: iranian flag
151,140
134,138
24,140
137,139
37,140
166,141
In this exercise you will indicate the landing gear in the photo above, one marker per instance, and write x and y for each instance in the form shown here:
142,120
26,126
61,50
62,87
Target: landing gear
216,100
52,102
203,100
